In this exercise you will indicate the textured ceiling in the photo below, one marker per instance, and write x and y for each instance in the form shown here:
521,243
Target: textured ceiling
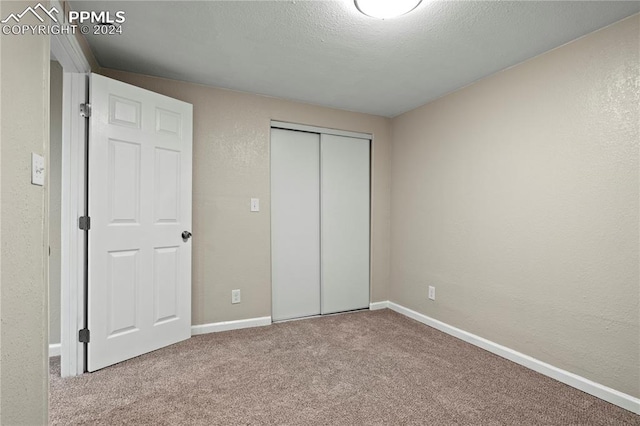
327,53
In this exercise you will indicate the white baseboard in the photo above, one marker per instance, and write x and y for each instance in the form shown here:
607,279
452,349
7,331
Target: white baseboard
216,327
374,306
608,394
54,349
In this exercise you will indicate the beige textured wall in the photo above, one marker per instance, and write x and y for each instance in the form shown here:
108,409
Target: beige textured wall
231,245
55,201
24,96
517,198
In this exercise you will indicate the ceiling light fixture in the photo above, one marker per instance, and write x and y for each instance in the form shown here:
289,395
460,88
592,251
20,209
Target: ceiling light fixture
385,9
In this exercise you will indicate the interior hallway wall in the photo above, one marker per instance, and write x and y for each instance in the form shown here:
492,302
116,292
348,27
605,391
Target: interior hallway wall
24,107
231,245
517,198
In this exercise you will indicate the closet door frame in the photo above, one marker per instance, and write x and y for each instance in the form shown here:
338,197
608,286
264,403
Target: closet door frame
276,124
320,130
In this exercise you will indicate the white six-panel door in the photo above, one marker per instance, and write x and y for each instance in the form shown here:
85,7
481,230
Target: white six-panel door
140,155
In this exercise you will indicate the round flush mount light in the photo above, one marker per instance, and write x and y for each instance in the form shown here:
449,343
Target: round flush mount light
385,9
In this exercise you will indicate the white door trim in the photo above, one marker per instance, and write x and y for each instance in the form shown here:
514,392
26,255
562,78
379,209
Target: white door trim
72,238
320,130
67,51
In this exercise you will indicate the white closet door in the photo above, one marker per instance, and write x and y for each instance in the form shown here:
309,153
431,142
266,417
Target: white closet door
295,224
345,223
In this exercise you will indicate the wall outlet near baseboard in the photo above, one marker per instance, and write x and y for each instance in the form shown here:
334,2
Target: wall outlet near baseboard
235,296
432,292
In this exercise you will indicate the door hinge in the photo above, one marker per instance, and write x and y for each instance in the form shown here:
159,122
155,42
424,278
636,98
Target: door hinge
84,223
85,110
84,335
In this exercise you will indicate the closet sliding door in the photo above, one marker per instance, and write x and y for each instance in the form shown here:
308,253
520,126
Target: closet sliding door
345,212
319,223
295,224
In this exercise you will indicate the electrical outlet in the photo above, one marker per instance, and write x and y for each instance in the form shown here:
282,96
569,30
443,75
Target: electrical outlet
432,292
235,296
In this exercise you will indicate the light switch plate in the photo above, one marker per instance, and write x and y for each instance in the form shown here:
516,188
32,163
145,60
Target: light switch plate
37,169
255,204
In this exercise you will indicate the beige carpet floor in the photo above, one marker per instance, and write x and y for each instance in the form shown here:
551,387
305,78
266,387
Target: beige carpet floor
359,368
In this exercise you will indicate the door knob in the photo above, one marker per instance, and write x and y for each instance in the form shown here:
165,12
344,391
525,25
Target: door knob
185,236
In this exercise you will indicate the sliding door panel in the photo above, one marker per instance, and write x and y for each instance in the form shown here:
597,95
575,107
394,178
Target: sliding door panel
295,224
344,223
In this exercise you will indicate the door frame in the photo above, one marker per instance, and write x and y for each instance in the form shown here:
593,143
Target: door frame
320,130
66,49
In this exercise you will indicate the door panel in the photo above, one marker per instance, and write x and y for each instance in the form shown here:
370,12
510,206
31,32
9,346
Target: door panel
123,170
122,287
345,223
167,188
140,150
295,224
166,283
